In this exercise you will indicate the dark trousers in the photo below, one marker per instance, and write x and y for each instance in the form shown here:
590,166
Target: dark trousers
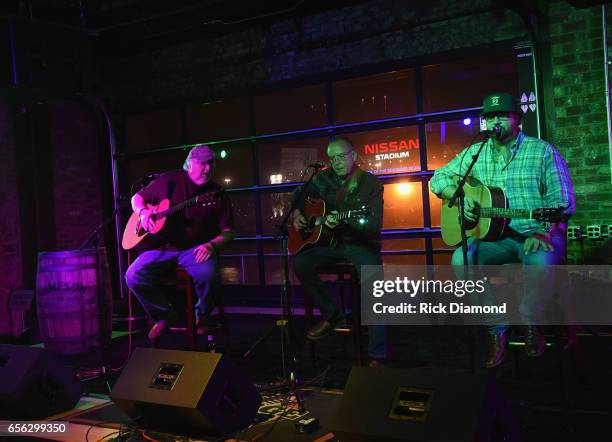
306,265
510,250
145,274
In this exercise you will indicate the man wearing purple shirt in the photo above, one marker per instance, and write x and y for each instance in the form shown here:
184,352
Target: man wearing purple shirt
189,238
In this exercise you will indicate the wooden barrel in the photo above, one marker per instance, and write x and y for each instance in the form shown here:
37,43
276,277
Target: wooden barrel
74,317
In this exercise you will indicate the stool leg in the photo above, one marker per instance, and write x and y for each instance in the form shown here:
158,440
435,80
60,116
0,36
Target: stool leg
192,332
341,282
356,308
308,320
152,342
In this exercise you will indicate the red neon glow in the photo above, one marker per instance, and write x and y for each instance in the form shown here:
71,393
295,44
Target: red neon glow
391,146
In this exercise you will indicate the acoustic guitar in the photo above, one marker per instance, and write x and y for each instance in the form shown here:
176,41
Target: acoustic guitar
316,232
493,214
134,233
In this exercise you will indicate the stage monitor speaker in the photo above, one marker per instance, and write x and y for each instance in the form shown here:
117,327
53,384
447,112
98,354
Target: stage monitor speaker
421,405
35,384
185,392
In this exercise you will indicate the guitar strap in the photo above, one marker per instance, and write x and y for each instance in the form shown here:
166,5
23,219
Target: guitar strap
350,184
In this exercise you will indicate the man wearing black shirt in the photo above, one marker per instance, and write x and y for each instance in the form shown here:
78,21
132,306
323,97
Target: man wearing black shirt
343,186
189,238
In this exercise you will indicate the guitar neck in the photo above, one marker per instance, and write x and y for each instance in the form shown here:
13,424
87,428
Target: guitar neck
172,210
346,214
498,212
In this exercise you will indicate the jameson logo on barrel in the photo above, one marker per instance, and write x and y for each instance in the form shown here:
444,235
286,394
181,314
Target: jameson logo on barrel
63,286
74,300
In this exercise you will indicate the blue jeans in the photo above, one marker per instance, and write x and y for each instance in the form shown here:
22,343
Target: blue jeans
306,264
510,250
146,273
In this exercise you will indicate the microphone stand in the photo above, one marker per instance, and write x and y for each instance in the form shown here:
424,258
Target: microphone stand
94,241
459,199
287,351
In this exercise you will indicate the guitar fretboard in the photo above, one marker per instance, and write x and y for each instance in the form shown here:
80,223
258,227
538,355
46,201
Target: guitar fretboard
347,214
500,212
190,202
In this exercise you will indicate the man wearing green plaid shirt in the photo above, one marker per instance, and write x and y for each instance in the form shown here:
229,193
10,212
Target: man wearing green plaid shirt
533,175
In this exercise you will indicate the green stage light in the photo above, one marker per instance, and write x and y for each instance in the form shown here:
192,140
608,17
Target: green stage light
223,153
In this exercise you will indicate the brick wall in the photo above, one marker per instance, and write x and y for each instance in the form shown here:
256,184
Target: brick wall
10,244
77,173
376,32
579,124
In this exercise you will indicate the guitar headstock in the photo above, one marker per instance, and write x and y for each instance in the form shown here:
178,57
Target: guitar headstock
549,215
361,212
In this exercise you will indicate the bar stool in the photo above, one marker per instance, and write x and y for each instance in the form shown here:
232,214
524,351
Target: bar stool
346,275
184,282
561,339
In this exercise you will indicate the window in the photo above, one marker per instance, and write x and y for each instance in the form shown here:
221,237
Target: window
442,252
234,165
465,83
217,120
387,95
435,205
274,206
138,169
290,110
238,263
243,204
404,260
153,130
447,138
388,151
273,264
403,207
286,161
286,131
403,244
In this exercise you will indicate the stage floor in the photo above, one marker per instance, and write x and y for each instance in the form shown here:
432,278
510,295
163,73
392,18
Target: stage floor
546,407
99,419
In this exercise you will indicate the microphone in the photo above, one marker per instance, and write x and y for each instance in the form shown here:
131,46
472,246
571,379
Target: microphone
317,166
148,178
490,132
144,181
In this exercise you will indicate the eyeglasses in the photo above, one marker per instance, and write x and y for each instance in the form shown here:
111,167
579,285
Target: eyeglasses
501,116
340,156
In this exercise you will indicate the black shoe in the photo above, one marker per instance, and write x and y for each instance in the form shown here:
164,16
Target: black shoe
158,329
377,363
324,327
496,348
205,325
535,344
